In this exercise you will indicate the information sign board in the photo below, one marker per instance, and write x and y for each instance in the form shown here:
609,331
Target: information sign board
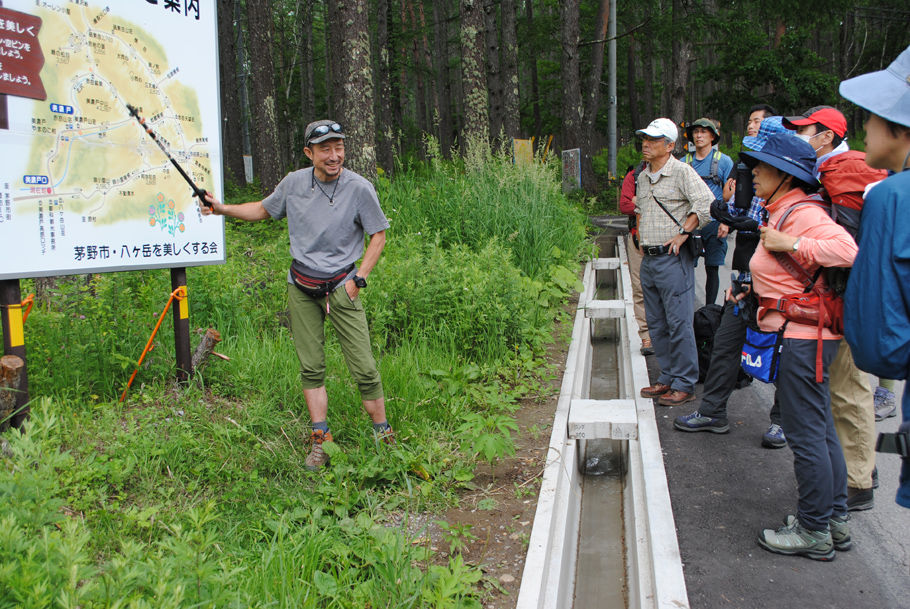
83,188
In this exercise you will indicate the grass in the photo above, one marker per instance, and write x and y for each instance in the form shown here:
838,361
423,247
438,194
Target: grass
197,497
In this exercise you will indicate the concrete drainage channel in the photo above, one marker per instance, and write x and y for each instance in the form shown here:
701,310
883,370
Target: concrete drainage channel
604,534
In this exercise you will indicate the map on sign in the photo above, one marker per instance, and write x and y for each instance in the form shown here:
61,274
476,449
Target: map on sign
83,188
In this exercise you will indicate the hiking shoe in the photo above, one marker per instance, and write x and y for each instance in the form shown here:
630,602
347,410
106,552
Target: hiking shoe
675,397
774,437
646,348
840,532
885,404
793,539
386,436
317,457
699,422
859,499
655,390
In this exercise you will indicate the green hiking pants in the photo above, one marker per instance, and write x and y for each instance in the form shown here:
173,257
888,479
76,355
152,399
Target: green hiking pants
349,320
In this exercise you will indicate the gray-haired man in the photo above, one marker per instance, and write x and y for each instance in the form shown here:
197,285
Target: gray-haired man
672,202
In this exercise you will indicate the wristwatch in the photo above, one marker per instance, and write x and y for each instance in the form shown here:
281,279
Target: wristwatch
360,282
796,244
683,231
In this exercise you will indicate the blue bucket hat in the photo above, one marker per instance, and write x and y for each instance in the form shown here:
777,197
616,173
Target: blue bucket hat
788,153
769,126
885,93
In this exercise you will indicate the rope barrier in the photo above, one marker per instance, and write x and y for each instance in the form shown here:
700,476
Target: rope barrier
179,294
29,300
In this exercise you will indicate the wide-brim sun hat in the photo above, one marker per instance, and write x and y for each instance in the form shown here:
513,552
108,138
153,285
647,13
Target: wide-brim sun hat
769,126
788,153
885,93
706,123
660,127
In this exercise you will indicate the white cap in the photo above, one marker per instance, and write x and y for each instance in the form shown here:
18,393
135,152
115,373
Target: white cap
660,127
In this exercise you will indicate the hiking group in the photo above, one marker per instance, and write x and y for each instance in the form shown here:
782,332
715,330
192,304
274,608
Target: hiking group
819,294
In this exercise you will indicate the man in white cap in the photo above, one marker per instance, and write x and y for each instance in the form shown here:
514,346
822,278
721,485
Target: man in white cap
876,309
672,202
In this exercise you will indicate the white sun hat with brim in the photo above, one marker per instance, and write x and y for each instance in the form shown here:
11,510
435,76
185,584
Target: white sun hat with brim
885,93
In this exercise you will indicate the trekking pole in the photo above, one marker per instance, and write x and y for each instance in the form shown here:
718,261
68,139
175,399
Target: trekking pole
199,192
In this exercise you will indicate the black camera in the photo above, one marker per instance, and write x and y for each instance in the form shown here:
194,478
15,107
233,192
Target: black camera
742,199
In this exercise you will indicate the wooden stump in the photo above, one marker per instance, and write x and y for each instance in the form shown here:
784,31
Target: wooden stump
211,338
11,367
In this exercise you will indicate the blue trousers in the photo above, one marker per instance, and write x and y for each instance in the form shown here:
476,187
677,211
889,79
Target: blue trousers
668,287
805,406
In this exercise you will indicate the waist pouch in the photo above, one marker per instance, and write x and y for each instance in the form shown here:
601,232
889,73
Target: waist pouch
761,353
317,287
696,244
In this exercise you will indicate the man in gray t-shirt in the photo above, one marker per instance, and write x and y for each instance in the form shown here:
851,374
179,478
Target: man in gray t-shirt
329,210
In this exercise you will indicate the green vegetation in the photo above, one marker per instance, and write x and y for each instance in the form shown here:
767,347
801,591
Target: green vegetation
198,497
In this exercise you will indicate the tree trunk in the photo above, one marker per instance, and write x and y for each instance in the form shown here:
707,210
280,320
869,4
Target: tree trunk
266,142
307,72
632,80
385,128
592,97
535,82
420,97
572,112
475,132
682,55
647,76
231,117
494,77
357,89
443,83
511,117
11,367
210,339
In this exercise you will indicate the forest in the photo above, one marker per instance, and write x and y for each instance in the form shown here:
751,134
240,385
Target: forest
394,72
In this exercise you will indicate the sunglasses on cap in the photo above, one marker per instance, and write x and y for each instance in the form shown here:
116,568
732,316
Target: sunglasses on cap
323,129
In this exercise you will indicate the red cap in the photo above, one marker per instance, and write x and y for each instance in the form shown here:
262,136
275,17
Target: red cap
826,116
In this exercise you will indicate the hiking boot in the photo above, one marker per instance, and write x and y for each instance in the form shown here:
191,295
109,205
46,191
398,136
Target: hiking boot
859,499
774,437
885,404
675,397
793,539
699,422
840,532
646,348
386,436
317,457
655,390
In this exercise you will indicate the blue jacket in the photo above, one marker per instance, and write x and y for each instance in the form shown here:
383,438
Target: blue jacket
877,302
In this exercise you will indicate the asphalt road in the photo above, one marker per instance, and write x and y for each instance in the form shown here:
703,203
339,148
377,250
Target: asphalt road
726,488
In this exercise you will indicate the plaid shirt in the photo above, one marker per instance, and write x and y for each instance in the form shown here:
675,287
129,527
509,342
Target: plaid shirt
682,192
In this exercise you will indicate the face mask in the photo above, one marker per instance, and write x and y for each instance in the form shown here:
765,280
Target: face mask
808,138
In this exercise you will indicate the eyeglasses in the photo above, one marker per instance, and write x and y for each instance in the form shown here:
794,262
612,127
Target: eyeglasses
323,129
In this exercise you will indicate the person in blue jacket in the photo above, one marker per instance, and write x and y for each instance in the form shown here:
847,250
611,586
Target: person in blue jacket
877,302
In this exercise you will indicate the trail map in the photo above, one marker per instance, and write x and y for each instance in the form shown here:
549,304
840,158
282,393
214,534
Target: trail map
83,188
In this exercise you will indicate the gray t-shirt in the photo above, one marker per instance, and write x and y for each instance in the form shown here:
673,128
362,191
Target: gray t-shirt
326,237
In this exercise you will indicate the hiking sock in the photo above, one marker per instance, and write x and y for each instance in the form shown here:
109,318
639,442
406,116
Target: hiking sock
381,428
322,426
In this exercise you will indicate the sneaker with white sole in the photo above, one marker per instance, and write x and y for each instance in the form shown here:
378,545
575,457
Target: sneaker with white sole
885,404
317,457
793,539
774,437
840,532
